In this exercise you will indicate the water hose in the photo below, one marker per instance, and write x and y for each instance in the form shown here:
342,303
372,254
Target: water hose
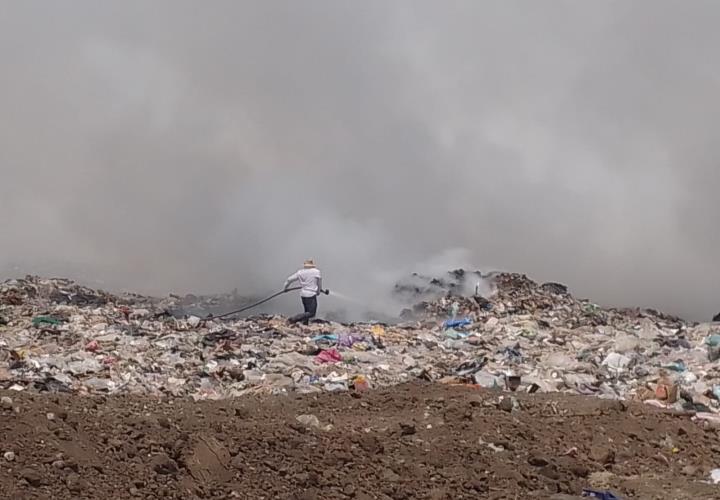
255,304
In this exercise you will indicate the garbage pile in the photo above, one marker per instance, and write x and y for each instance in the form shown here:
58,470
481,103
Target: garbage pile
56,335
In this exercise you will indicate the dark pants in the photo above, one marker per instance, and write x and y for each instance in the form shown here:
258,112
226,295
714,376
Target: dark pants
310,307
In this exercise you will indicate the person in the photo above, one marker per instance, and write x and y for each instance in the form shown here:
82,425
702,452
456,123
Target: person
310,281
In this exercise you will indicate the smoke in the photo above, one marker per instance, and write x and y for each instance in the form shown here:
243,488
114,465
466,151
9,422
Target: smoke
172,145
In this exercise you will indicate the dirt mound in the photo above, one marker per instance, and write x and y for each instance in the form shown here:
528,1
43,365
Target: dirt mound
407,442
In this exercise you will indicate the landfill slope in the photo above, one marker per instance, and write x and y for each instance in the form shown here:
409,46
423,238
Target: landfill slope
412,441
58,336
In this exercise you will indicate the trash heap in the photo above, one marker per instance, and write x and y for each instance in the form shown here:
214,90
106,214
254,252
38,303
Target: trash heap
56,335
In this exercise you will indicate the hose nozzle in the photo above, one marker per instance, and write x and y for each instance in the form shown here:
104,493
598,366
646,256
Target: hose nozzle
326,291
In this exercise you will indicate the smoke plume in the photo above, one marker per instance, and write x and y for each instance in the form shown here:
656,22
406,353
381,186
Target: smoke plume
204,146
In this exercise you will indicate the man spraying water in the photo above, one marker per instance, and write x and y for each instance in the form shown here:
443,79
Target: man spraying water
310,281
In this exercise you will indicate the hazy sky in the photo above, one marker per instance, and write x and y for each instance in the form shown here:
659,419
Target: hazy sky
184,145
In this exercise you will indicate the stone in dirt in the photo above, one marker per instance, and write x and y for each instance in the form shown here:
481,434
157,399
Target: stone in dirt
308,420
75,483
602,454
537,460
506,404
33,477
407,429
601,480
208,461
163,464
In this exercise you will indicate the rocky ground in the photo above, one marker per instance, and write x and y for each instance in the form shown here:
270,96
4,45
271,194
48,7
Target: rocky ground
413,441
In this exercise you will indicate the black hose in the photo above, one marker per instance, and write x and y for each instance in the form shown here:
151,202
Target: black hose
255,304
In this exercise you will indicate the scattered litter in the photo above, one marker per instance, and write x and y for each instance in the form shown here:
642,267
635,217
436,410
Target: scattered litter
92,346
45,320
487,380
457,323
360,383
325,338
328,356
715,476
59,336
713,340
512,382
676,366
616,362
602,495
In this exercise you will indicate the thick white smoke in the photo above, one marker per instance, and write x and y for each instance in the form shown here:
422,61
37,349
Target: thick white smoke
172,145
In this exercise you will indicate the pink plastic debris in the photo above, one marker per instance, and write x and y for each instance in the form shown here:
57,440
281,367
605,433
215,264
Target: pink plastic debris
328,356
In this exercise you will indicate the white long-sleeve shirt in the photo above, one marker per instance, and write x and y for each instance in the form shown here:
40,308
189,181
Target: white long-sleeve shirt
310,280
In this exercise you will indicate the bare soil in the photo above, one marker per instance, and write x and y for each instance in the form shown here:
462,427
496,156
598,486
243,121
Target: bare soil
408,442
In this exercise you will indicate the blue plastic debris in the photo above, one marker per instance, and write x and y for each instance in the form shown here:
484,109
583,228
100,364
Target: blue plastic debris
455,323
602,495
326,337
713,340
716,392
677,366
